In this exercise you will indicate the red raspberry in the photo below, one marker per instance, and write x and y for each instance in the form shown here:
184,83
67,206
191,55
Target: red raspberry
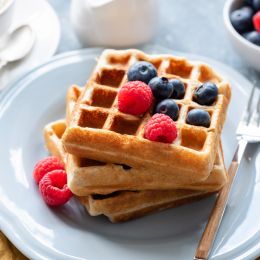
256,21
135,98
54,189
160,128
46,165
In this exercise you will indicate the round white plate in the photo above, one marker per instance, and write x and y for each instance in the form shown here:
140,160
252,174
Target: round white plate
45,24
68,232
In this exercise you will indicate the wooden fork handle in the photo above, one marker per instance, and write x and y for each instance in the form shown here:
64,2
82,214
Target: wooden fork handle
209,234
212,226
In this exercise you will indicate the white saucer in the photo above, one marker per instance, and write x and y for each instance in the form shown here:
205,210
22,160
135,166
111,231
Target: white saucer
44,22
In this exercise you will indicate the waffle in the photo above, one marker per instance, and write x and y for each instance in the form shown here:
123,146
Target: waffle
122,205
126,205
100,132
72,97
86,177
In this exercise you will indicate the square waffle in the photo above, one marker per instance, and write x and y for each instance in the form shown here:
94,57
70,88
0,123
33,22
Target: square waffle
86,176
100,132
123,205
126,205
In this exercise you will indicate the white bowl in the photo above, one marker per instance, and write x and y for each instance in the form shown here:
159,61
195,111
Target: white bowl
249,51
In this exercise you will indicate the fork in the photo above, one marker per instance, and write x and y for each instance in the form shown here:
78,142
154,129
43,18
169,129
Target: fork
248,131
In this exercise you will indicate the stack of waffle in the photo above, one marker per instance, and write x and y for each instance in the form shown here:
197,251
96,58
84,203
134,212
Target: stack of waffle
112,169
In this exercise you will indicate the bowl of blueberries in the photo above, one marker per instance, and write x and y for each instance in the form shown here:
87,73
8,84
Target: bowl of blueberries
242,21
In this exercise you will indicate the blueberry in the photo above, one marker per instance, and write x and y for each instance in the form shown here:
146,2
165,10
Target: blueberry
248,2
142,71
198,117
178,89
253,37
241,19
169,108
206,94
256,5
161,87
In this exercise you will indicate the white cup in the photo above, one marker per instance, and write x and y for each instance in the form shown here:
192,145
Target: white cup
6,15
114,23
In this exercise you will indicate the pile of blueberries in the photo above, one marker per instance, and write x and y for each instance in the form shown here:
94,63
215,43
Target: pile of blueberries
166,90
246,20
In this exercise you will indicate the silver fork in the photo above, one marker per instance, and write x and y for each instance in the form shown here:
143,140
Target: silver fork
248,131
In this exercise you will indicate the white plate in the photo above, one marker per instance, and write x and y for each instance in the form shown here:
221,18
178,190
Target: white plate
69,233
45,24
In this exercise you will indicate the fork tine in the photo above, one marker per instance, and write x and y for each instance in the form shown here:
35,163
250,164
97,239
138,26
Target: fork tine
258,104
258,110
249,103
247,112
255,115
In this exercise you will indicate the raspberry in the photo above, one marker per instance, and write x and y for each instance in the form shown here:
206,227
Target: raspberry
53,188
160,128
134,98
46,165
256,21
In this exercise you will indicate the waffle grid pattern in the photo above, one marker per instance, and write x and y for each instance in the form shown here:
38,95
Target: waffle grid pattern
99,104
97,110
86,176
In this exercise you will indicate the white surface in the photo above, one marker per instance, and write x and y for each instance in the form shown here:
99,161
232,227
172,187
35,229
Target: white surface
249,51
6,15
114,23
3,3
18,44
44,22
68,232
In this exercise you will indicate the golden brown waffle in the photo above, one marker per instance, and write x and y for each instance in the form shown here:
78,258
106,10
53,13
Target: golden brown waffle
123,205
87,177
100,132
72,97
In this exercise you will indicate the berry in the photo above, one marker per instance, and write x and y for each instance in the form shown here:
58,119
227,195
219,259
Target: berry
46,165
53,188
198,117
241,19
248,2
178,89
169,108
256,5
206,94
160,128
253,37
135,98
256,21
142,71
161,87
